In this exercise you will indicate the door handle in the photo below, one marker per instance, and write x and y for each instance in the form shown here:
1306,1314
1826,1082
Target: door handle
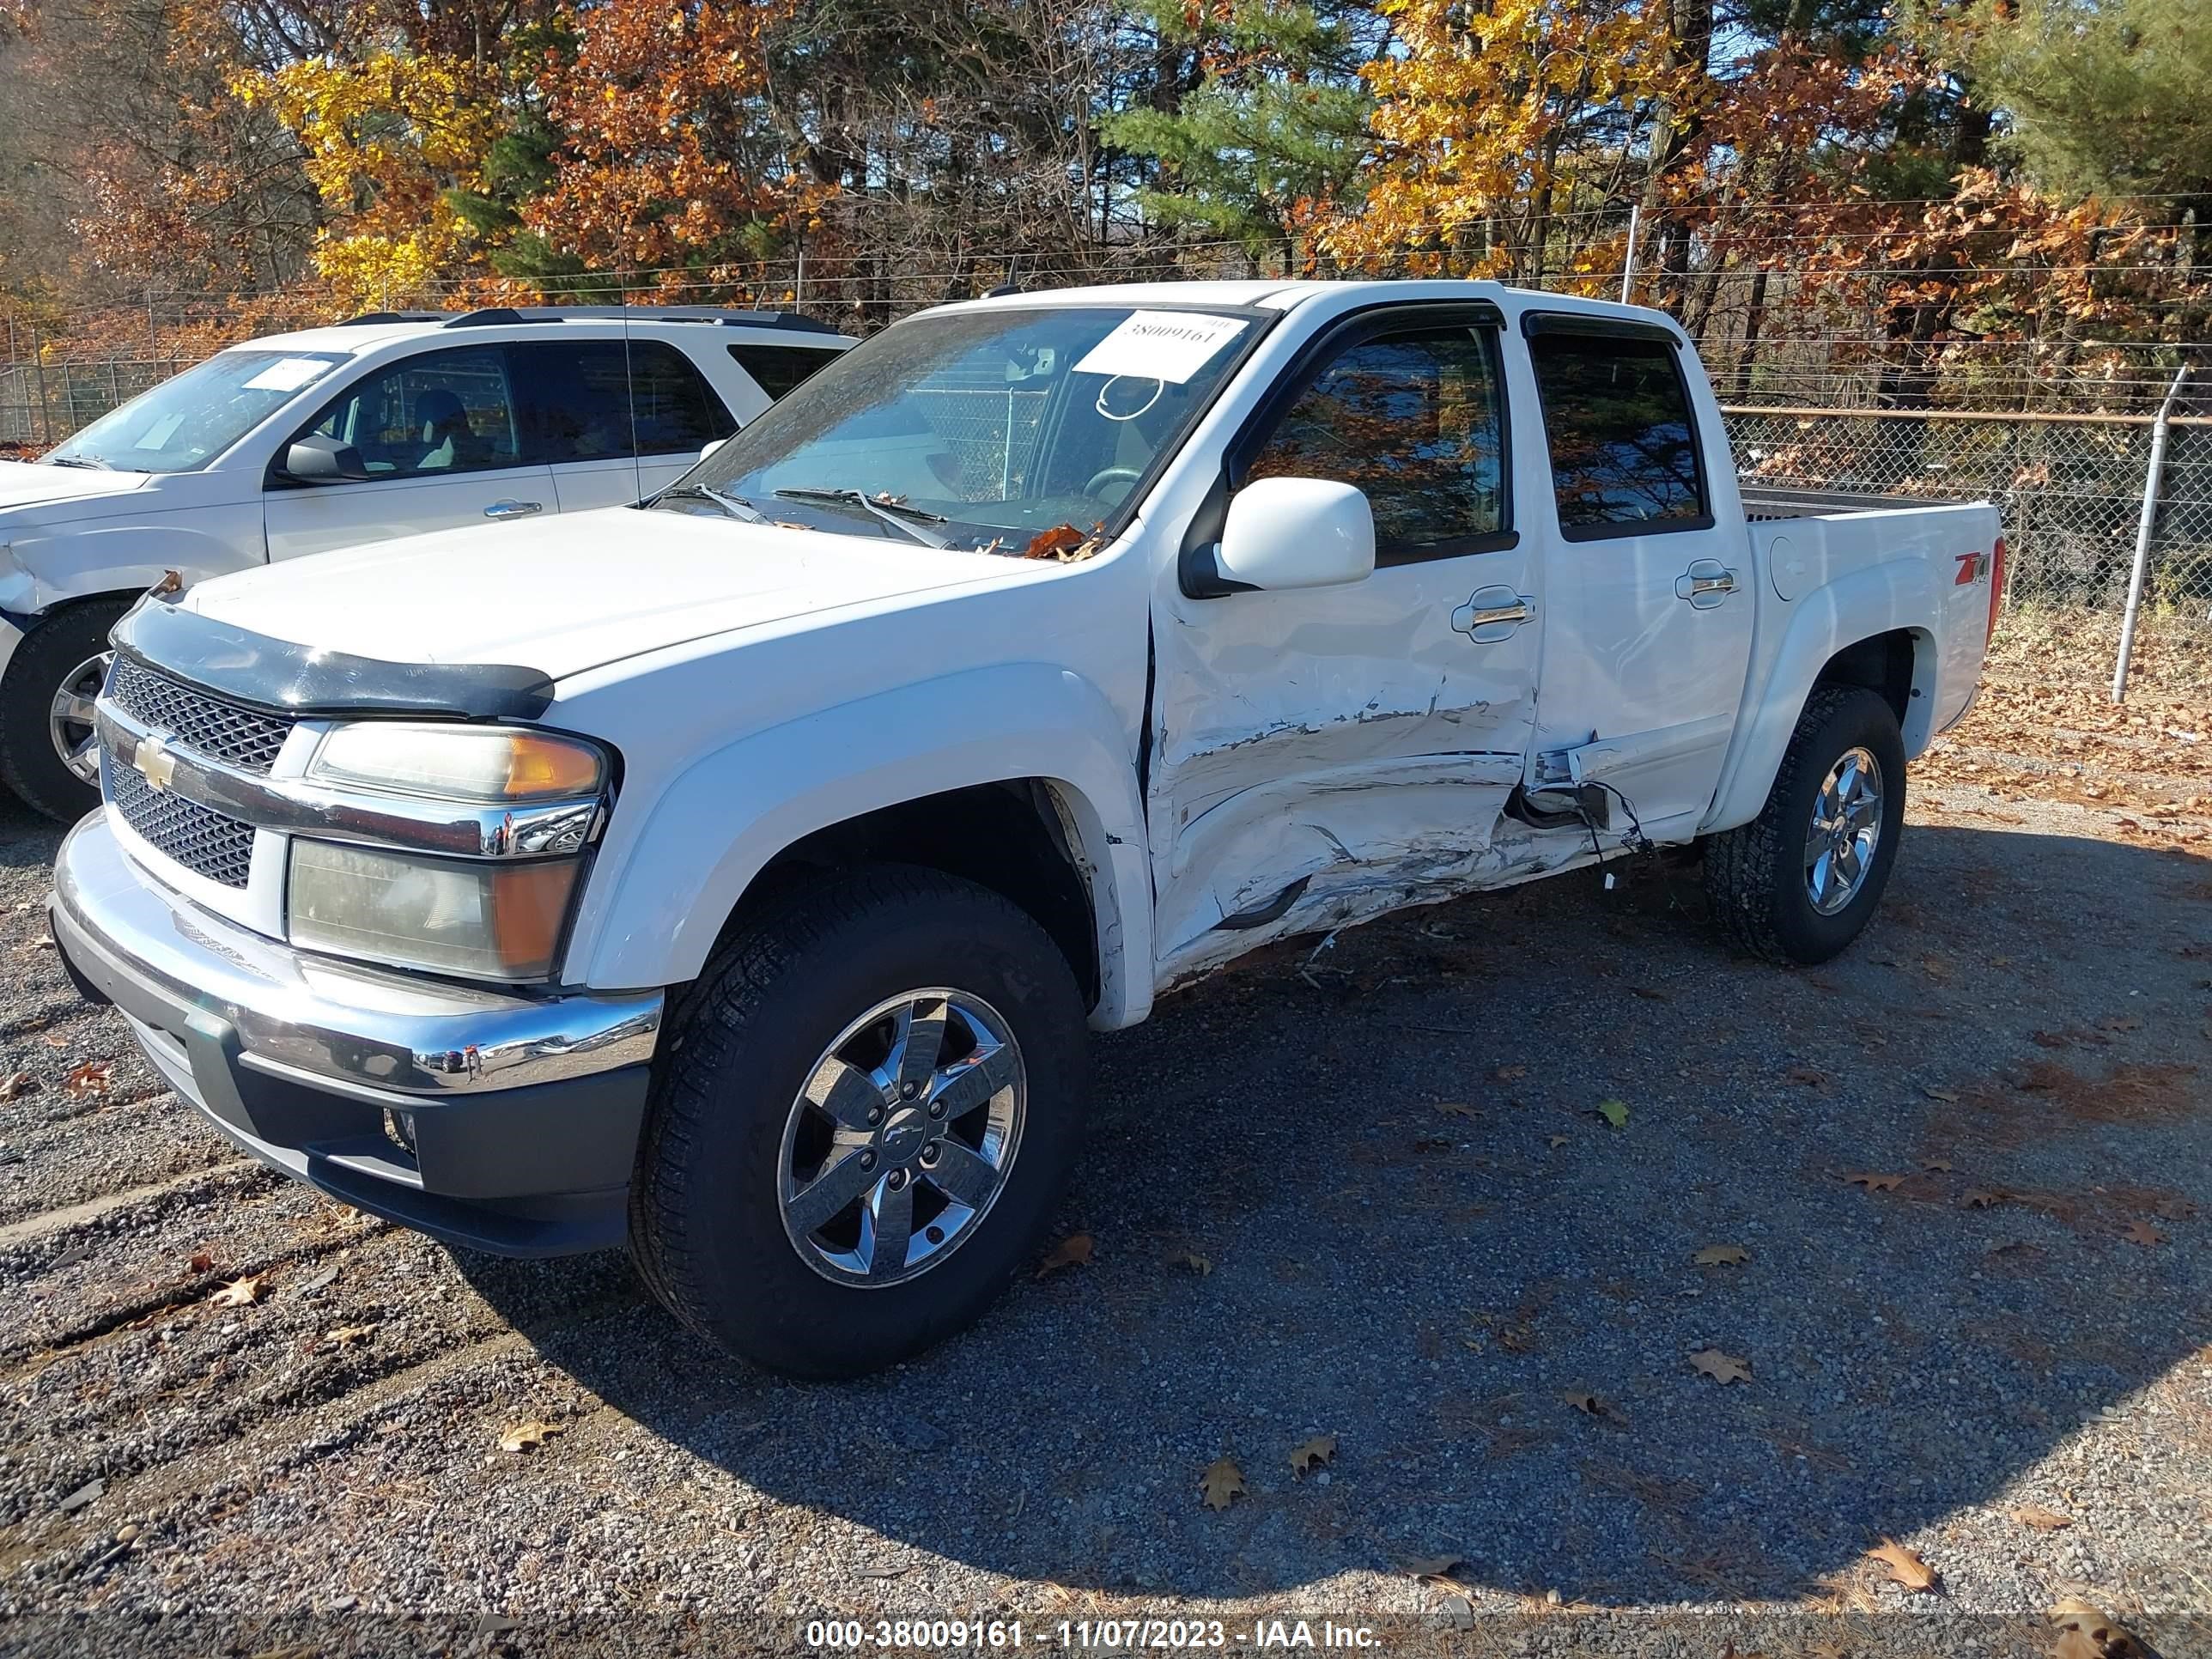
1705,584
513,509
1492,614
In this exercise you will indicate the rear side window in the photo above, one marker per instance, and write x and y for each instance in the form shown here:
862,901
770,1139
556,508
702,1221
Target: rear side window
600,400
677,413
1414,419
777,368
1617,421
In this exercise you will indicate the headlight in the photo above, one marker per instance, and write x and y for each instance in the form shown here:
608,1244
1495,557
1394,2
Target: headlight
459,762
476,919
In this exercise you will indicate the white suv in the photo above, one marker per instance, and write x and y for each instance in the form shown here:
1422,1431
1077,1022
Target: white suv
384,426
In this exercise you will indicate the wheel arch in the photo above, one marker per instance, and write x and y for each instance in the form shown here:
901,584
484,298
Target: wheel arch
1876,628
1035,799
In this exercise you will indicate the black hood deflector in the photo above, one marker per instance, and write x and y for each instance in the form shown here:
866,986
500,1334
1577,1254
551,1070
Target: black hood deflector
285,678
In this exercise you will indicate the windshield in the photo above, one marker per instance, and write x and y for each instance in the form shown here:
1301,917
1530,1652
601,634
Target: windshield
186,421
986,429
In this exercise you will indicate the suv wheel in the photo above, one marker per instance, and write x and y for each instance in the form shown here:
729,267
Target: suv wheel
48,753
866,1113
1800,881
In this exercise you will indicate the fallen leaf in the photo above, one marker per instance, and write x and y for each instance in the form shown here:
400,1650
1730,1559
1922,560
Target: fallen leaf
2043,1520
1650,994
1074,1251
1723,1368
1905,1568
346,1336
1936,1166
241,1292
1722,1255
1817,1081
1051,544
1560,1141
1509,1073
1615,1112
1935,1093
1191,1262
202,1262
89,1078
1875,1183
55,1040
2142,1232
1437,1567
16,1086
1222,1484
2120,1022
1590,1405
1307,1455
1980,1198
524,1436
2086,1630
1457,1108
1936,968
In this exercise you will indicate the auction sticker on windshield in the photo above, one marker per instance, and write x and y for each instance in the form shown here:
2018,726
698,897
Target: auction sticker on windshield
288,374
1161,346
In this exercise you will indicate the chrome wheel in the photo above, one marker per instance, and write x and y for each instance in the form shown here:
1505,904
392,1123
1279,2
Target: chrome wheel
903,1138
70,722
1845,829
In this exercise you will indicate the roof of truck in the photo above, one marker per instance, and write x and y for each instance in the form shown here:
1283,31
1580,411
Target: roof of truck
1278,293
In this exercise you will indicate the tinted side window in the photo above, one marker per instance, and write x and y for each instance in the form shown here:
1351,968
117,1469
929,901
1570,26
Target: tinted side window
1414,420
678,412
1617,421
441,413
579,407
776,368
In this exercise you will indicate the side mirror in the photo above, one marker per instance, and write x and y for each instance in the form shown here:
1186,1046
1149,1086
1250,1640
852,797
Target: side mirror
709,447
318,460
1297,532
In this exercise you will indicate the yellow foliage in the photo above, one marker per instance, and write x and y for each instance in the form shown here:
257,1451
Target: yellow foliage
385,138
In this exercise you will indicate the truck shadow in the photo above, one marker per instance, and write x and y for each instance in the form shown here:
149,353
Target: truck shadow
1361,1191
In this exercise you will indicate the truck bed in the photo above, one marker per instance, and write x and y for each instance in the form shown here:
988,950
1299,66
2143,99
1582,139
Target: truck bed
1765,501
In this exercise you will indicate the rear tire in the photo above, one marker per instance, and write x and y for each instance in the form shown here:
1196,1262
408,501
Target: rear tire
1800,881
58,650
813,999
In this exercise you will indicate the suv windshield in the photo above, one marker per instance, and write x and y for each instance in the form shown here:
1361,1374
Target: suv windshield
981,429
185,422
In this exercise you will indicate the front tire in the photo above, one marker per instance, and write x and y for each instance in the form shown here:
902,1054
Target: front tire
863,1121
1800,881
45,709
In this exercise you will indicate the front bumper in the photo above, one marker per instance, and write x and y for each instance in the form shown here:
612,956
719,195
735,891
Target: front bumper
524,1110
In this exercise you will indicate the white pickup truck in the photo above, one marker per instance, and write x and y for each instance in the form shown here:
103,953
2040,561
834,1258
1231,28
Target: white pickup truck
735,875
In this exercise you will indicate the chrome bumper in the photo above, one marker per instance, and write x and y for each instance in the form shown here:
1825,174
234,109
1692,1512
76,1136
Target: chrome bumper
512,1100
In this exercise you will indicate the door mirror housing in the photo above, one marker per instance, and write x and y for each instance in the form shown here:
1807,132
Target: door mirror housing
315,459
710,446
1296,532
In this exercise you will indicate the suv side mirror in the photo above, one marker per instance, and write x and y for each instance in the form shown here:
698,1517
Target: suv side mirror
315,459
710,446
1297,532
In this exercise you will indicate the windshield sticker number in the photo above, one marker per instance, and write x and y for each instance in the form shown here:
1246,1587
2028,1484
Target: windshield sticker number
288,374
1160,345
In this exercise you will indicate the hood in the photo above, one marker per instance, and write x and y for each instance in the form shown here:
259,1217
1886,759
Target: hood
27,484
565,594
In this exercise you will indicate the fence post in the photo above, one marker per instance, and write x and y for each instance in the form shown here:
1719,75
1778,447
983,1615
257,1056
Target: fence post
2144,526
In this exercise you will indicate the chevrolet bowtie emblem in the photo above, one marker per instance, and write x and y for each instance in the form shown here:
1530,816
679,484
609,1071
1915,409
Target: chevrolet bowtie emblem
153,762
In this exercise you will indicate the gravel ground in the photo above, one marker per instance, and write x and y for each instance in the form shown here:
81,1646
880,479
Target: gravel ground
1966,1166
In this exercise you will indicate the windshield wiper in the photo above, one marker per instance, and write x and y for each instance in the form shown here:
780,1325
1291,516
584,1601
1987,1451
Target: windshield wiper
91,463
895,514
736,506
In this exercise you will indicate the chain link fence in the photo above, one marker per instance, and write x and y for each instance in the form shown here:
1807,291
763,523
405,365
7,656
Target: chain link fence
2069,488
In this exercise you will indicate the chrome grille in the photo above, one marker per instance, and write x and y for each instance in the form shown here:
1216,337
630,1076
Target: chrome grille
193,719
206,844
